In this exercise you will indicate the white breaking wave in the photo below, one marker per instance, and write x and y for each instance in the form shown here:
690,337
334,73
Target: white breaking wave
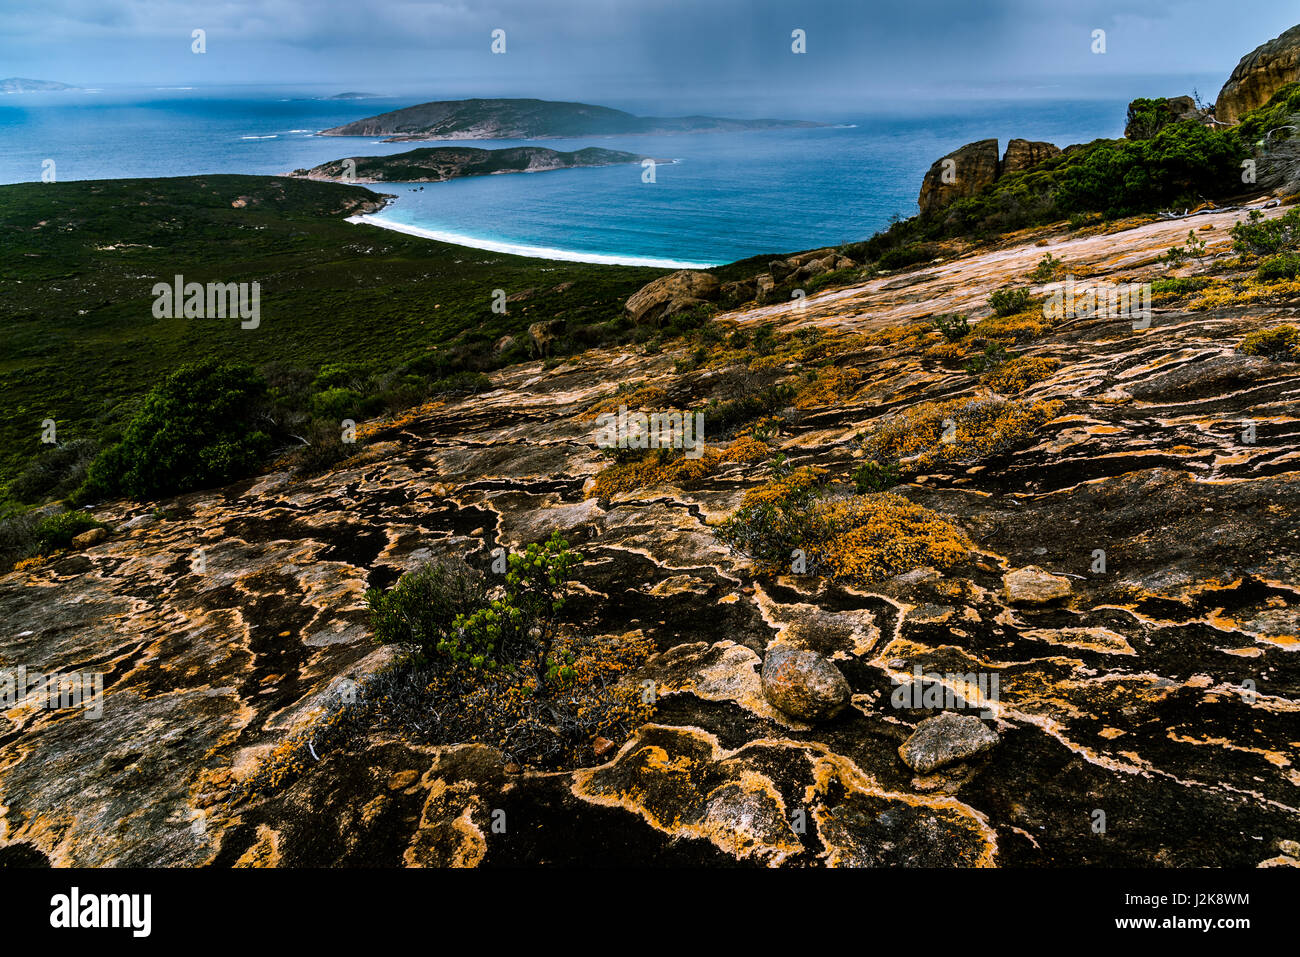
535,252
270,136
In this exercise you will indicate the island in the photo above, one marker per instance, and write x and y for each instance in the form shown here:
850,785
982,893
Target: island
351,95
440,163
526,119
18,84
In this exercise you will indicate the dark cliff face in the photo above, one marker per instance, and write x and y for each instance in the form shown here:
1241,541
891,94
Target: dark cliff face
1259,75
974,167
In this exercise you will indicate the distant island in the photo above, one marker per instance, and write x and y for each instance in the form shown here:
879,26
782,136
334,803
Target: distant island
17,84
481,119
353,96
441,163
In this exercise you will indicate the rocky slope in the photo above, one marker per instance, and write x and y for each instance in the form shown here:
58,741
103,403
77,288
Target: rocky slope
524,119
438,164
1120,692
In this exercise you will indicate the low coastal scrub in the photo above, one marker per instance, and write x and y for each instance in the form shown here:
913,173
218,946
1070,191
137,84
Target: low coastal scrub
1008,302
1014,327
494,665
957,433
672,467
1276,342
1020,373
26,535
852,538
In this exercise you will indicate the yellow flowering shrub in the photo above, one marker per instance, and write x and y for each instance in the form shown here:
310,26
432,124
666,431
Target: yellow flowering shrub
857,538
1276,342
1020,373
1018,327
672,467
831,385
957,432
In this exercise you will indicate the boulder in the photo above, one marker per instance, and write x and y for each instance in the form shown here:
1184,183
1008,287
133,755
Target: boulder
764,283
90,537
1033,586
503,344
742,290
781,269
542,335
671,294
973,167
1025,154
1259,75
945,739
803,684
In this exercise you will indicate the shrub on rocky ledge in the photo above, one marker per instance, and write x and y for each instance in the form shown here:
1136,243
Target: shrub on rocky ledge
1020,373
959,432
492,666
1276,342
855,538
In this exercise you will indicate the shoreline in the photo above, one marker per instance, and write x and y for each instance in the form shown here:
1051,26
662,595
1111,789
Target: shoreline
524,249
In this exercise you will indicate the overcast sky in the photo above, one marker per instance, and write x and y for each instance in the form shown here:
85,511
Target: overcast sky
655,50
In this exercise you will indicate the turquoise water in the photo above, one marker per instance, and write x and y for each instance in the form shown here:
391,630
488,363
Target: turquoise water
726,196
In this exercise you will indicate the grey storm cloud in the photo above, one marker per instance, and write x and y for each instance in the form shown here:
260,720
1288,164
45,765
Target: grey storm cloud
855,47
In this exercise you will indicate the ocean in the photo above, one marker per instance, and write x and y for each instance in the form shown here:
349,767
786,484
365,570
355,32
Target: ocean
724,197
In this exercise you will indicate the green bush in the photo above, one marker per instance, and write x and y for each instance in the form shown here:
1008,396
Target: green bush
875,477
1008,302
1286,266
58,531
906,256
422,607
1180,285
953,327
197,428
1182,163
1266,237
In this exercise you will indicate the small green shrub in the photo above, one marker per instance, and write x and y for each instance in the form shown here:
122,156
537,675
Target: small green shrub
1277,268
875,477
1266,237
953,327
1008,302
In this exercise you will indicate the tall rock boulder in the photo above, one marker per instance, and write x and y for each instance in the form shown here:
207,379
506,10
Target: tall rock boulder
963,172
974,167
1259,75
1023,154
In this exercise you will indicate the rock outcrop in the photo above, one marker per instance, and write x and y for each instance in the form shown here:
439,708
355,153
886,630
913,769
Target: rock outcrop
1026,154
1259,75
971,169
964,172
671,294
1174,108
1131,694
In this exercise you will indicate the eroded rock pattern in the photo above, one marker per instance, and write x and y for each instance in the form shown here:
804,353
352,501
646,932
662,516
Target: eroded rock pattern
1124,695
